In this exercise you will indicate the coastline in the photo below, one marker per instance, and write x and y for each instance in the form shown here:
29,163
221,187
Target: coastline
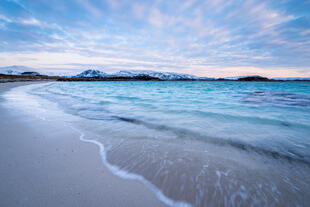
74,146
43,163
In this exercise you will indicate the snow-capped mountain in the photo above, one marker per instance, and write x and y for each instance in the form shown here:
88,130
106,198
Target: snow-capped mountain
139,73
91,74
15,70
18,70
67,73
154,74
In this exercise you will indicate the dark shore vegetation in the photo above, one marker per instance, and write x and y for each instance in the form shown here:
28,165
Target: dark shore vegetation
17,78
37,77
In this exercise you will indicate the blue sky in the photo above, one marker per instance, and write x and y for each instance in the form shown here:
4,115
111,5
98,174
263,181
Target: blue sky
214,38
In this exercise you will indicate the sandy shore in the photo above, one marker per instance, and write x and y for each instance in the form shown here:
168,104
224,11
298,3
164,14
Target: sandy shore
45,164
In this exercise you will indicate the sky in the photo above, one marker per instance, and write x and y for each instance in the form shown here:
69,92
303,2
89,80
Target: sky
213,38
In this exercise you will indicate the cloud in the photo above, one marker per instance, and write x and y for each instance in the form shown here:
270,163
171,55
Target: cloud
4,18
31,21
196,36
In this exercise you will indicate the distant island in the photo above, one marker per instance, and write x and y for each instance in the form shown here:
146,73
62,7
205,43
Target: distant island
130,75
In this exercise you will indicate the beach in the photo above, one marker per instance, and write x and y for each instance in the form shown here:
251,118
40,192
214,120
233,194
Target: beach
43,163
195,103
151,143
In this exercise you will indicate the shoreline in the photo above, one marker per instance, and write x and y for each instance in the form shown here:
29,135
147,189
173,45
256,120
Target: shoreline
24,78
57,144
45,164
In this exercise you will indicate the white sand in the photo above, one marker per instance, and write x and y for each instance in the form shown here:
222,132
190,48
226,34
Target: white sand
45,164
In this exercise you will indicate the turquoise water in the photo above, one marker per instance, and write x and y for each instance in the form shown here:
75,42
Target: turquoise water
202,143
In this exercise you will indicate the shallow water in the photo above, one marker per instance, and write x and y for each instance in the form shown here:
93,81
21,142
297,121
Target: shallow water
200,143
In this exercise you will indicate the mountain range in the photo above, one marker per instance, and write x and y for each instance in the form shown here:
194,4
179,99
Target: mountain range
140,73
131,74
15,70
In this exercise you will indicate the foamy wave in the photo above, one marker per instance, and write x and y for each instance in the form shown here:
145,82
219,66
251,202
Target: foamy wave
131,176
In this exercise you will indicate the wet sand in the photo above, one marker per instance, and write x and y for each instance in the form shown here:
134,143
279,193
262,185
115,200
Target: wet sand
44,163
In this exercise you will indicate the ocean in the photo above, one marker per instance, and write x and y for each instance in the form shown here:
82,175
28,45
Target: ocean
194,143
